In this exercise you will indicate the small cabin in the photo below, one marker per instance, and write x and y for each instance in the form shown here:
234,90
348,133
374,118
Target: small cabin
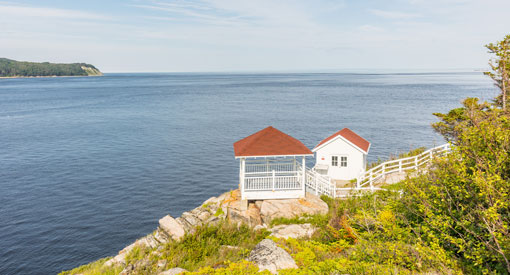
341,156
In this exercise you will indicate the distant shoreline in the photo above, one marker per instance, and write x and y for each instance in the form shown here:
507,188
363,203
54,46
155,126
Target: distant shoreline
17,69
47,76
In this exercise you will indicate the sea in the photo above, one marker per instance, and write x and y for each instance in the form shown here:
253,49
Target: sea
89,164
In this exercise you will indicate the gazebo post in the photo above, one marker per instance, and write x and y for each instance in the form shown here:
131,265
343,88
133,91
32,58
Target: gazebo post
242,168
304,176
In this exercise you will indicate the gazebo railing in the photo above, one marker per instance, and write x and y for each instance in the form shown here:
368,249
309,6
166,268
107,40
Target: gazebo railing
272,175
267,166
274,182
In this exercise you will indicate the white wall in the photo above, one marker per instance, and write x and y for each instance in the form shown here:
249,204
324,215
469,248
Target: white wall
339,147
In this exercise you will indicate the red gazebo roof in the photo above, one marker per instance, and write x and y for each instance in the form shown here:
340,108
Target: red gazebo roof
270,142
349,135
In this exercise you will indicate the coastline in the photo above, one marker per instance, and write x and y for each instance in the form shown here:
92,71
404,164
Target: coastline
255,219
47,76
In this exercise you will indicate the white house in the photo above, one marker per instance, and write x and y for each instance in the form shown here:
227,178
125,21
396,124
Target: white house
342,156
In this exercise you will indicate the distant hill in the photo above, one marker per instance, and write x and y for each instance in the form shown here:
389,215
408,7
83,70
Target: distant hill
13,68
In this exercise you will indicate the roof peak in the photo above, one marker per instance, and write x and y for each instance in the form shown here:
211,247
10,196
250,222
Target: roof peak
350,136
269,142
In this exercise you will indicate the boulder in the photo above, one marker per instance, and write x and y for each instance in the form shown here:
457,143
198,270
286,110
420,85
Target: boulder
250,216
191,219
121,257
171,227
149,241
295,231
290,208
173,271
137,268
260,227
204,215
268,256
160,236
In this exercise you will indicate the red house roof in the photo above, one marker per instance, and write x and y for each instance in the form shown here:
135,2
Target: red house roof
349,135
270,142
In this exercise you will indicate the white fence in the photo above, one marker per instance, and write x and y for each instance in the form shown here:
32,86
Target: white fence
322,185
378,172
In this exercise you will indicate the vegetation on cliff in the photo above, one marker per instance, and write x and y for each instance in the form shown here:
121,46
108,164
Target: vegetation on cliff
12,68
454,219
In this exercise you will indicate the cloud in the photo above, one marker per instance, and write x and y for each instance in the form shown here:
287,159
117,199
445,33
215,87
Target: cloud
30,11
219,35
370,28
395,14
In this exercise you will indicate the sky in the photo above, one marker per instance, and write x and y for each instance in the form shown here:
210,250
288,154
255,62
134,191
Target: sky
257,35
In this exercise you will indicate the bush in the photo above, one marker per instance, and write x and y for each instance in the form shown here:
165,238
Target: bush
463,204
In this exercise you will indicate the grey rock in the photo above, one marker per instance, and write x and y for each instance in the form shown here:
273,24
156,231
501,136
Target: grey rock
204,215
295,231
186,225
171,227
161,237
191,219
268,256
148,241
290,208
120,259
173,271
259,227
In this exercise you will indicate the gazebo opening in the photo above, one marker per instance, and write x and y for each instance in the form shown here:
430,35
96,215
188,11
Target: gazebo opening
272,165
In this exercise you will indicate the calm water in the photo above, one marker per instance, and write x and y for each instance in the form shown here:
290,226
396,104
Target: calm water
87,165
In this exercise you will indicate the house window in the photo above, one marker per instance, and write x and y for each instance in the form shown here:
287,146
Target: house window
334,160
343,161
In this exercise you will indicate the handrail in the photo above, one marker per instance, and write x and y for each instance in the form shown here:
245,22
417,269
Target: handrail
323,185
407,163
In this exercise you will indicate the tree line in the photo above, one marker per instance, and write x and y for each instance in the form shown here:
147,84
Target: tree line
12,68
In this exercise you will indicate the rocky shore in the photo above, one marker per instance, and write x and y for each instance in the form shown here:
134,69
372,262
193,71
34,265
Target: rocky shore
228,206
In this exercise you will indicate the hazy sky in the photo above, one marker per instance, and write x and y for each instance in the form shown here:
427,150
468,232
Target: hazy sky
257,35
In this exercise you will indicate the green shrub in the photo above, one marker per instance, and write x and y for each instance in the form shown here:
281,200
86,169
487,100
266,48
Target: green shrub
211,245
94,268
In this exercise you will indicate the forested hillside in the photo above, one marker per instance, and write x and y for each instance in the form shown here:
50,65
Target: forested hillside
12,68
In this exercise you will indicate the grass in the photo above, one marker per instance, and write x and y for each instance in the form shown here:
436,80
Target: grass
316,220
95,268
219,212
367,234
361,235
212,246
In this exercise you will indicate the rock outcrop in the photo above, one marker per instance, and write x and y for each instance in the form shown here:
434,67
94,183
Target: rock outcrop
228,206
290,208
296,231
268,256
120,258
170,226
173,271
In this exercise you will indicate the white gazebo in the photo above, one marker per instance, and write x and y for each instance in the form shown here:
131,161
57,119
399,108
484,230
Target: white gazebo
272,165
